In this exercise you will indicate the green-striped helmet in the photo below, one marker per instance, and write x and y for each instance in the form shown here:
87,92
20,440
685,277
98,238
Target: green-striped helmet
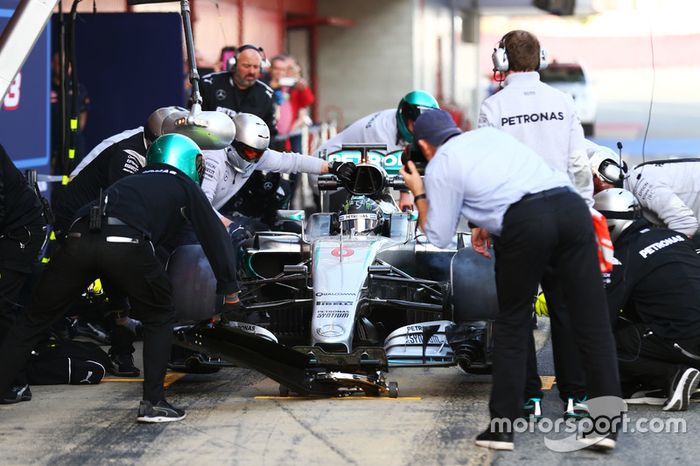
409,108
180,152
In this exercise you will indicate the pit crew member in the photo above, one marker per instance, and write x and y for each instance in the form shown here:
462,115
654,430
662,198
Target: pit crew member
534,219
115,238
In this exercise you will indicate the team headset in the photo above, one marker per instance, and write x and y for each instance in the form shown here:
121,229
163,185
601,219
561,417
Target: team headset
264,63
500,58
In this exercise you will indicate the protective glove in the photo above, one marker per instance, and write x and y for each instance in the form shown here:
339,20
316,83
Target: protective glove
345,171
541,306
233,309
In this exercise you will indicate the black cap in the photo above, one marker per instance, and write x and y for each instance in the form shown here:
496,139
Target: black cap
435,126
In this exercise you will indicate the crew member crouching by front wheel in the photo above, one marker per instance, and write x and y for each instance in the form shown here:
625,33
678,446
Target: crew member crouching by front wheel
114,238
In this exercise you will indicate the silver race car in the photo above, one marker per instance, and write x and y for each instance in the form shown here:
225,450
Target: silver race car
332,308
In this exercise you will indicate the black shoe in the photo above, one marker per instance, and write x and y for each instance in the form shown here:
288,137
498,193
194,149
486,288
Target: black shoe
683,384
159,412
495,440
123,365
16,394
532,409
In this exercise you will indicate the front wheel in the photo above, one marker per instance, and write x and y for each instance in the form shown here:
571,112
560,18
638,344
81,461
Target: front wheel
393,390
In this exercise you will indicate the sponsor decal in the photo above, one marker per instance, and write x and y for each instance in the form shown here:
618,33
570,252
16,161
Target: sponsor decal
220,94
334,314
345,252
390,161
341,293
652,248
334,303
531,118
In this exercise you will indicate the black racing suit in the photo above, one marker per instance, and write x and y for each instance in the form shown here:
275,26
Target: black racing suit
113,163
22,233
142,211
219,93
657,285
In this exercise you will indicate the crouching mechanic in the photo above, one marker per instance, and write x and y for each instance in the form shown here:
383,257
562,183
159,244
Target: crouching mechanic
657,285
228,169
393,127
115,239
114,158
536,220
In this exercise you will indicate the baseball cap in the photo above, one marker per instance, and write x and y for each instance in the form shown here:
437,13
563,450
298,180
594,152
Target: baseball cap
435,126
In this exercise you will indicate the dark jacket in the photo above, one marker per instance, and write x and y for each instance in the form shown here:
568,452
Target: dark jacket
19,204
158,201
658,280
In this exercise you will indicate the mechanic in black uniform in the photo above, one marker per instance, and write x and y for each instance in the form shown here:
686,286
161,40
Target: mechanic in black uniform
22,234
657,285
241,91
114,158
115,239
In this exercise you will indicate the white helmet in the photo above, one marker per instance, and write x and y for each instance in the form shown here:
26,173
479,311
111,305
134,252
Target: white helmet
620,209
252,136
605,164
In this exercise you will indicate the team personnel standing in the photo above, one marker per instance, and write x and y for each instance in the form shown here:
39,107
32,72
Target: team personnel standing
544,119
534,219
22,234
657,283
240,90
536,114
115,239
393,127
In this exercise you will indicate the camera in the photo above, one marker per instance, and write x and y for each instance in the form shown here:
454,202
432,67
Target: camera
413,153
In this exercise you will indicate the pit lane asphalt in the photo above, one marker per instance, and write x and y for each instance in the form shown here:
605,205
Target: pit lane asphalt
230,422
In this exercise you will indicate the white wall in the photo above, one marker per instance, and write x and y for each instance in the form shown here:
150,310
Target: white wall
367,67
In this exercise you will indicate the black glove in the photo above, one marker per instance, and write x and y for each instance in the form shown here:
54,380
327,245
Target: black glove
345,171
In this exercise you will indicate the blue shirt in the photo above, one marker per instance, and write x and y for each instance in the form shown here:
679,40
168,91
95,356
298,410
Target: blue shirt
479,174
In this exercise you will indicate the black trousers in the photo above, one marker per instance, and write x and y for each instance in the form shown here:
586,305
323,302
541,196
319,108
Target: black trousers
131,268
648,360
571,379
19,251
551,230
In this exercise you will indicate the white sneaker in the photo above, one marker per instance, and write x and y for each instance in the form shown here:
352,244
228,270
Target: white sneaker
684,382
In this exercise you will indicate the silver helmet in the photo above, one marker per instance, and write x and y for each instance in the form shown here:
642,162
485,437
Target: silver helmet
620,209
252,136
156,121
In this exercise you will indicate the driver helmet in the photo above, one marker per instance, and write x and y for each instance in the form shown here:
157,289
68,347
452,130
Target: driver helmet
360,214
252,138
605,165
180,152
619,207
412,105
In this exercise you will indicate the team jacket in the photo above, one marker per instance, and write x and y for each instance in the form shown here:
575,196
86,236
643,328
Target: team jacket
19,204
669,192
657,281
219,93
158,201
111,160
226,172
377,128
544,119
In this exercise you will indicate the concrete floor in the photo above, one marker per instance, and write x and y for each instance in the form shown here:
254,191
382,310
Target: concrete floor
235,418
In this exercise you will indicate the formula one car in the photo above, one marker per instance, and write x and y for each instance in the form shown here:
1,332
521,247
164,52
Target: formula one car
357,292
